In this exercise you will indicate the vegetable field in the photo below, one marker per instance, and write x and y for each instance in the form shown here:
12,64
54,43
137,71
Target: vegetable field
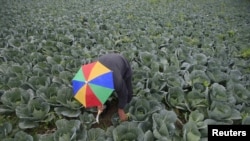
190,60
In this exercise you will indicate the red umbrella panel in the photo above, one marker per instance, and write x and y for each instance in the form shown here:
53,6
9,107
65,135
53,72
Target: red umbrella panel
93,84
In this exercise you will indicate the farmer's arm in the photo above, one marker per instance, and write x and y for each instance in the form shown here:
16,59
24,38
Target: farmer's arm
123,100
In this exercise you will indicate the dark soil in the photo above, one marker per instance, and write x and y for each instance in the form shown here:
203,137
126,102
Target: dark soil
105,117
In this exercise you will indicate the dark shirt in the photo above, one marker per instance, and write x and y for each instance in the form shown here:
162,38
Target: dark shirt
122,74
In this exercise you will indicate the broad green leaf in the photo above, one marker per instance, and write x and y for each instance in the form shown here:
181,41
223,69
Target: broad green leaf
15,97
163,124
196,116
97,134
68,124
67,112
27,124
246,121
87,119
191,132
35,110
5,129
22,136
127,131
140,108
66,99
220,111
175,98
218,93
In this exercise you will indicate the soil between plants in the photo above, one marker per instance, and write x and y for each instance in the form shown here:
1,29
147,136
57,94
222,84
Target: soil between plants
106,116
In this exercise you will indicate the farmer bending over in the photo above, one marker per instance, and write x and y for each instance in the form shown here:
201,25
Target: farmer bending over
122,74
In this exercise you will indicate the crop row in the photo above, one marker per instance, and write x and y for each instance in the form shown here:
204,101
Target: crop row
190,63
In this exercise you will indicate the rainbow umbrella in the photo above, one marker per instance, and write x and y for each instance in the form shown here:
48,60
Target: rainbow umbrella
93,84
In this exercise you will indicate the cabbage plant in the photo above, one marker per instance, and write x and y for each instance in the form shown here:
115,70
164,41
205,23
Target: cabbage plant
197,76
87,119
69,106
38,81
191,132
43,43
13,98
239,92
197,117
96,134
197,99
14,75
146,58
175,98
223,111
164,124
49,94
235,75
216,75
246,121
45,137
128,131
140,108
20,136
174,80
36,110
69,130
218,92
5,129
66,99
200,58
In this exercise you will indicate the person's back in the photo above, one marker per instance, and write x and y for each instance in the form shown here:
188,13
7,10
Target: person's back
122,75
117,63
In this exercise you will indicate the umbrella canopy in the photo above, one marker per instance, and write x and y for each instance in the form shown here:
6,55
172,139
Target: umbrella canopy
93,84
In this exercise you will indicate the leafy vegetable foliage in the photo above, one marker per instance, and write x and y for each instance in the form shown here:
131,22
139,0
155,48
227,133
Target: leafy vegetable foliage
188,68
